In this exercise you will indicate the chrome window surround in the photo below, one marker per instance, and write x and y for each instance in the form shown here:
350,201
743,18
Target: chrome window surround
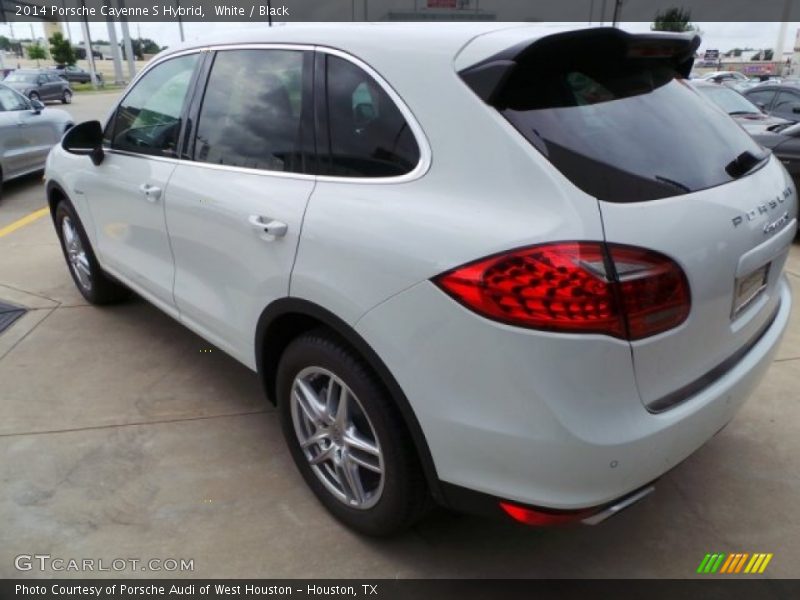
419,135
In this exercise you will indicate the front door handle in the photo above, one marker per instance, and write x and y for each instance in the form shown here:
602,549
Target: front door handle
151,192
269,226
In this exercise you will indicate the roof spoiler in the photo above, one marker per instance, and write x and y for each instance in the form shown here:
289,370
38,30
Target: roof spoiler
585,46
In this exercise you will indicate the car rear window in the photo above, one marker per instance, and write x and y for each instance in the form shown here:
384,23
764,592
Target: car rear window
623,129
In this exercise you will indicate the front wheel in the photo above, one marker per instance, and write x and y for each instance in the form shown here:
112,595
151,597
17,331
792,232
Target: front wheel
34,96
90,279
66,98
347,438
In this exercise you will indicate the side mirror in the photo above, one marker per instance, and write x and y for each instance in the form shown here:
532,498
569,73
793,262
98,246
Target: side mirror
85,139
37,106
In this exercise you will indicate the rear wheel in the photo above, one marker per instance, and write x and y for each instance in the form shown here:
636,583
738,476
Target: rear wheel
66,97
90,279
347,438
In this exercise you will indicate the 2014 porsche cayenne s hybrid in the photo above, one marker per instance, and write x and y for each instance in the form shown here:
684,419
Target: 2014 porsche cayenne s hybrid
517,274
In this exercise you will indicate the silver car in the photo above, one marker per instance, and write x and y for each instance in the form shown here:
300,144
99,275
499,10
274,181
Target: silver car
27,132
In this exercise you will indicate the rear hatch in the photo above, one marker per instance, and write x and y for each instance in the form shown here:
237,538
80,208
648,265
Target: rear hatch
671,173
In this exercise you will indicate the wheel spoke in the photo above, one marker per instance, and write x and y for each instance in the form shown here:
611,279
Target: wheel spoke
353,439
343,409
363,462
329,400
319,436
308,401
349,475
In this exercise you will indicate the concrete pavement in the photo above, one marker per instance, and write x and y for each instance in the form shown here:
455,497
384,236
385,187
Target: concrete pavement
122,437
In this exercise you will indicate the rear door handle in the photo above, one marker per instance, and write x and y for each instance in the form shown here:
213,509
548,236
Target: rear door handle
151,192
269,226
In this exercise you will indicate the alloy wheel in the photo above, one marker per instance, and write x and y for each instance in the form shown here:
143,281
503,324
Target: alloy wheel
337,438
76,255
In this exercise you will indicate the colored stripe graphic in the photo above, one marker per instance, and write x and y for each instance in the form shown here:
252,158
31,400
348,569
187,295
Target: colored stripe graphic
727,564
766,562
720,562
741,562
703,563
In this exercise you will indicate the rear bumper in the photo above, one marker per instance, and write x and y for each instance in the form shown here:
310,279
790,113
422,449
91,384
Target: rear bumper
542,419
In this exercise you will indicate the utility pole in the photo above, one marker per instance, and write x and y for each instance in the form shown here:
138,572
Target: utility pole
180,21
617,12
87,44
66,22
115,52
777,51
126,40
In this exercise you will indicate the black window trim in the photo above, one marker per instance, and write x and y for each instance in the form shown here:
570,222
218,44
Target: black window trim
200,81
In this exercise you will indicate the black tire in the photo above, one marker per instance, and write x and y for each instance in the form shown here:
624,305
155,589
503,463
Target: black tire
34,96
66,97
102,289
404,498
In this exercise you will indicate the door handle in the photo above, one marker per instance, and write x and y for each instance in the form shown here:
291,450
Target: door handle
151,192
269,226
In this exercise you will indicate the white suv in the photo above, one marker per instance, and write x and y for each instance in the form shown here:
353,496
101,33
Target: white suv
518,275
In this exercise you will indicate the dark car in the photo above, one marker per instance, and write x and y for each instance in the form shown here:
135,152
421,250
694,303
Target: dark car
39,84
781,100
743,111
75,74
784,141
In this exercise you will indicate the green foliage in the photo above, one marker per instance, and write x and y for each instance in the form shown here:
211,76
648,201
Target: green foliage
61,50
36,52
5,43
673,19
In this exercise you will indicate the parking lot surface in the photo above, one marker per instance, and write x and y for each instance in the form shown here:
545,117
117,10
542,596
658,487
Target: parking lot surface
124,435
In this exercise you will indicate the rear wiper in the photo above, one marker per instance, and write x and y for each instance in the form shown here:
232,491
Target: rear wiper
743,164
744,112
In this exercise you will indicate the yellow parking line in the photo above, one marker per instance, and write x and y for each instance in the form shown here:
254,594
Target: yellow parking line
27,219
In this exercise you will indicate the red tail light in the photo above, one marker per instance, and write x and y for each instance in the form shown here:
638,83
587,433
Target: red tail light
542,517
575,287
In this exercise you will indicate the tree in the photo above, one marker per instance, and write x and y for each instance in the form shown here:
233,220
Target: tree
673,19
5,43
762,55
61,50
36,52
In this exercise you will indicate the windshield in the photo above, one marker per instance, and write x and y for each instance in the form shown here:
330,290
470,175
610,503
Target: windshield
728,100
21,78
626,130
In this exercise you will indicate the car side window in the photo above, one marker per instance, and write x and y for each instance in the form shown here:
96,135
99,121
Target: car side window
252,111
148,120
367,134
761,97
786,102
9,101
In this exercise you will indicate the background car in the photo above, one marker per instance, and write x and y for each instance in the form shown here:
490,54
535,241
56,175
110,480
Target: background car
779,100
27,132
40,84
75,74
785,144
732,79
744,112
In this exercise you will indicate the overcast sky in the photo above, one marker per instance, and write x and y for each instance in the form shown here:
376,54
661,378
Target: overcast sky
721,36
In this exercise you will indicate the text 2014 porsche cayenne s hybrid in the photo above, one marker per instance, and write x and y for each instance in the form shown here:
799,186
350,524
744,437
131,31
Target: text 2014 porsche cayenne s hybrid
516,274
